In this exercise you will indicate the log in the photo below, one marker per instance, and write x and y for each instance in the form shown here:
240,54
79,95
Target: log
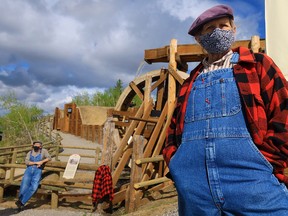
132,197
150,182
148,160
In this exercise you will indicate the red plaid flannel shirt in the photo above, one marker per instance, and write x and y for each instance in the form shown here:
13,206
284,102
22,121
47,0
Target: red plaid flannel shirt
264,93
102,184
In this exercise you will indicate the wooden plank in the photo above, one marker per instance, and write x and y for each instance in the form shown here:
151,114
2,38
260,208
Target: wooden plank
155,133
161,89
67,184
54,199
171,80
161,80
123,113
173,72
136,90
149,159
120,196
132,198
150,182
151,120
147,91
2,176
107,152
255,44
122,124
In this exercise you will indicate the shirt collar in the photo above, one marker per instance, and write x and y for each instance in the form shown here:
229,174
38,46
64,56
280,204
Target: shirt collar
219,61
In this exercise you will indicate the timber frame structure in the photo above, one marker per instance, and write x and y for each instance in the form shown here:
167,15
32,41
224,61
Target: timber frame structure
133,138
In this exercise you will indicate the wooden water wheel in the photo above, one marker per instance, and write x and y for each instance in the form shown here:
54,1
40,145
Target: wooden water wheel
157,90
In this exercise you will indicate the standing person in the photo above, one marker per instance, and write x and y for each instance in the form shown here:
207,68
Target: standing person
227,144
35,161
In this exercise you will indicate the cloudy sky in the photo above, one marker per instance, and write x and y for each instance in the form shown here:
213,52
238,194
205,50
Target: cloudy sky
52,50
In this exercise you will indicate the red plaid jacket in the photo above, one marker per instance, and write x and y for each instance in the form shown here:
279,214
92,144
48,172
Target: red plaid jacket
102,184
264,94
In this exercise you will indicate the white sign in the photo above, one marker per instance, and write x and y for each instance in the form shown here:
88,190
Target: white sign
71,166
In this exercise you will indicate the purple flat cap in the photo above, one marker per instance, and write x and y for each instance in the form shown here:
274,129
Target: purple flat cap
208,15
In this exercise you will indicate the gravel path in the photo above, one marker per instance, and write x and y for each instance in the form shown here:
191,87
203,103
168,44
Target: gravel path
71,140
44,212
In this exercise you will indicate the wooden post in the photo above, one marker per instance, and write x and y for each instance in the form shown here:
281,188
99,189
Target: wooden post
57,151
107,152
93,132
171,80
55,193
100,133
54,199
132,200
58,143
255,43
13,161
2,176
147,93
97,152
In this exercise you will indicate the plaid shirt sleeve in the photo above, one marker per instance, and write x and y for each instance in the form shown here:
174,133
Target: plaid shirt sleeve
264,92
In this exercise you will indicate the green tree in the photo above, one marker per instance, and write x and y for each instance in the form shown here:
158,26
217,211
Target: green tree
82,99
19,123
107,98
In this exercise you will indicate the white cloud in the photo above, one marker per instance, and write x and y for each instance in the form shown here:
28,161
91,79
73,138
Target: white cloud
74,45
184,9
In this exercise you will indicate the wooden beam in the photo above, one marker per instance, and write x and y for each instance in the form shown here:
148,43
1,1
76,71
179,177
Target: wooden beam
173,72
136,90
189,52
150,182
150,119
132,197
150,159
171,80
161,89
160,81
147,90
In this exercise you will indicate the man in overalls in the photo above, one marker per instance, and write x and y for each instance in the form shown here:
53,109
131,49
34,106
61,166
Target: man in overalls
35,160
227,144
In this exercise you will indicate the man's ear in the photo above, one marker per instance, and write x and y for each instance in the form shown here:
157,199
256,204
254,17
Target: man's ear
197,39
234,29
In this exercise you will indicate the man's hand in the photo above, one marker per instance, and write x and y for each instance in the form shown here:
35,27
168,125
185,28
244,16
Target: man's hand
39,163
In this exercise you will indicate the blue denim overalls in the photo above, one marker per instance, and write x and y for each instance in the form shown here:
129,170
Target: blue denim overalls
30,180
217,169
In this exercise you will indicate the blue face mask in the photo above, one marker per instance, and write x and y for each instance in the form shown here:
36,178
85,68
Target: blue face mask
218,41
